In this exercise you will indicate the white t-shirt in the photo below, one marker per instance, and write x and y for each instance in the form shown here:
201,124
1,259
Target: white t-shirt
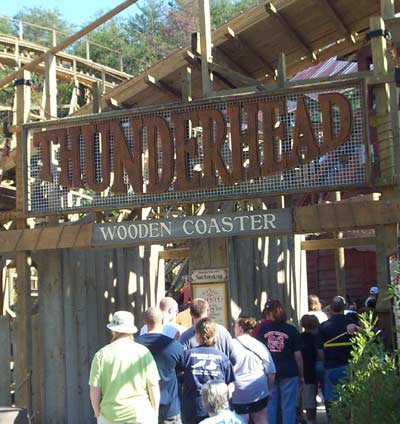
322,317
251,382
171,329
224,417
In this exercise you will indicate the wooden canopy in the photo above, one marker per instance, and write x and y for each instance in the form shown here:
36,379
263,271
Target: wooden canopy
245,50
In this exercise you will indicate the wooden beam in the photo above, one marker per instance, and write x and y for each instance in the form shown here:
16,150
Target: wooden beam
328,244
69,40
340,25
181,253
152,81
292,32
345,215
236,76
329,217
205,42
219,56
195,61
230,33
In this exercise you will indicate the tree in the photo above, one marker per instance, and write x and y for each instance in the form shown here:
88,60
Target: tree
6,26
51,19
105,43
181,21
222,11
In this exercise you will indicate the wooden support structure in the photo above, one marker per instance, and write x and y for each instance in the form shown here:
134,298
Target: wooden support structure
206,58
22,259
335,243
186,84
51,87
340,25
179,253
340,260
291,30
171,91
387,235
69,40
269,70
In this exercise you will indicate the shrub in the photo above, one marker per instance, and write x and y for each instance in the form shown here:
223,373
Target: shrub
372,393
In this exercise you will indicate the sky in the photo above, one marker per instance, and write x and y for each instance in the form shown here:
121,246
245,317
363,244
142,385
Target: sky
78,12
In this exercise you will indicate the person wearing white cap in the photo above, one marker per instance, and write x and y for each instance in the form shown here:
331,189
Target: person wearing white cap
371,300
124,380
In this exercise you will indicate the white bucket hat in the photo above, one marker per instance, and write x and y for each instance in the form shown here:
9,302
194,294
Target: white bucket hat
122,322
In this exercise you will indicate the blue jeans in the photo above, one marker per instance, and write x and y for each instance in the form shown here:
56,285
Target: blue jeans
282,401
333,377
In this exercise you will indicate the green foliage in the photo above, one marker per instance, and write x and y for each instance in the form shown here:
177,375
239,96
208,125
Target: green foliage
109,35
151,33
43,17
223,10
6,27
373,391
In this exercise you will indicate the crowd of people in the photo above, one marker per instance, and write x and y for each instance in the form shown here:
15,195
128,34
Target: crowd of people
268,373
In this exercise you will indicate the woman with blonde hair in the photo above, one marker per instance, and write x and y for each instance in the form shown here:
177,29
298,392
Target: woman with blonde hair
254,374
202,363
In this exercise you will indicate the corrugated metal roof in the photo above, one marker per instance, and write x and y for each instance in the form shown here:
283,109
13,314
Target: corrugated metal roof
328,68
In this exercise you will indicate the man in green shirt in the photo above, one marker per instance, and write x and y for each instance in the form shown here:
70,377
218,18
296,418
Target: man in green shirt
123,378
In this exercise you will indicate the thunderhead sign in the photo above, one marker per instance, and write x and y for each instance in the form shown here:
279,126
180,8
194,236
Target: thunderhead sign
207,150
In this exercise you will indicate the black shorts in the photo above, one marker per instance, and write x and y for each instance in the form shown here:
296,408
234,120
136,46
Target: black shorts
248,408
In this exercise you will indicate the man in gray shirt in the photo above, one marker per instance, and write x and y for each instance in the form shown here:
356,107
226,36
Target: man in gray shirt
199,309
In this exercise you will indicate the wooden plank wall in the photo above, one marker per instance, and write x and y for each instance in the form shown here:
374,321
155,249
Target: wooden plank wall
78,292
261,268
5,356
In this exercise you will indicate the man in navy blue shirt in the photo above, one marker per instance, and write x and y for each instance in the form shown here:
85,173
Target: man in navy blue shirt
334,348
168,354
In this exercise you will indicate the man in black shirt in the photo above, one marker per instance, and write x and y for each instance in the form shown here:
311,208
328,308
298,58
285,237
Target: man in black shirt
334,348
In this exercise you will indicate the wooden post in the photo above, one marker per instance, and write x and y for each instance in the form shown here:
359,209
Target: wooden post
51,86
281,71
205,42
383,107
186,88
22,259
54,38
186,83
387,8
340,261
96,92
386,245
87,50
386,235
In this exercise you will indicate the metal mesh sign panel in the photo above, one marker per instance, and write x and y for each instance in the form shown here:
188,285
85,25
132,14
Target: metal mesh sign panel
308,139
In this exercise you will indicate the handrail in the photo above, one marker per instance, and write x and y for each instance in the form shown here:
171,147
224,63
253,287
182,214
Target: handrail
55,31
